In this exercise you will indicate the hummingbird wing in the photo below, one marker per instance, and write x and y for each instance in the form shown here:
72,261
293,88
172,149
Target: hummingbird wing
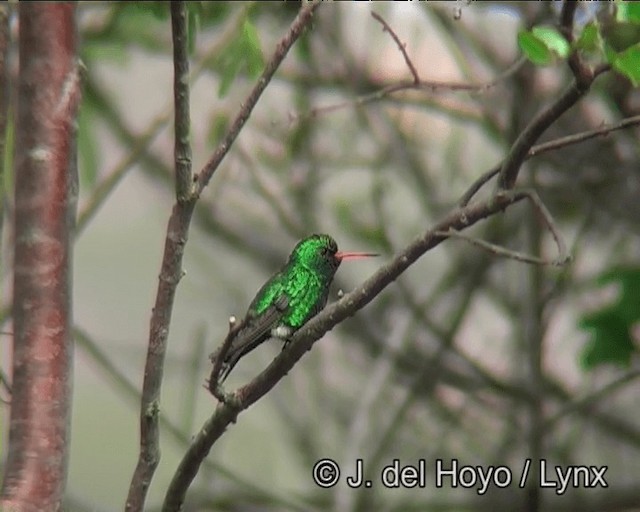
257,330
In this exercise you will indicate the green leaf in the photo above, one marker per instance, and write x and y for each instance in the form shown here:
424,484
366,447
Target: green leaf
627,63
111,51
193,23
589,39
611,341
628,12
88,153
243,51
127,24
214,13
553,40
534,49
217,128
611,327
160,10
609,53
621,36
628,278
229,70
252,48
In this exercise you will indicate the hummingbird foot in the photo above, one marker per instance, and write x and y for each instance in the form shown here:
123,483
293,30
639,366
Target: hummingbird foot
218,391
284,333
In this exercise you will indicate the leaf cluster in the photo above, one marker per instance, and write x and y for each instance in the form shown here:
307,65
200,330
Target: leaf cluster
614,39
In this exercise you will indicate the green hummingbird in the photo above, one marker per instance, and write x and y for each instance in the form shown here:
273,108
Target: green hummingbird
293,295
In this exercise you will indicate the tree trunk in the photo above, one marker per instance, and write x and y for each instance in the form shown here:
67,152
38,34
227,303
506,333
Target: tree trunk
45,203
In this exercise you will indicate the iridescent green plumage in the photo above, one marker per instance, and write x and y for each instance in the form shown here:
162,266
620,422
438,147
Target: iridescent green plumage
289,299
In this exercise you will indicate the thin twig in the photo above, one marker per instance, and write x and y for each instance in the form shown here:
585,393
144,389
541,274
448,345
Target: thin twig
425,85
299,24
402,46
583,78
477,185
497,250
551,145
603,130
579,70
562,258
182,118
536,127
563,255
284,218
566,18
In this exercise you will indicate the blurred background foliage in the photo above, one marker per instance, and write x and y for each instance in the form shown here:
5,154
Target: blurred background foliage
467,356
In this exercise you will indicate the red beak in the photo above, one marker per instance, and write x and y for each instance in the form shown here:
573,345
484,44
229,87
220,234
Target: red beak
354,255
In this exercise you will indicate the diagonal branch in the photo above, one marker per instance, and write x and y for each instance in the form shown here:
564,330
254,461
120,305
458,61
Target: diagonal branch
580,85
541,209
528,137
551,145
601,131
299,23
422,85
303,340
401,46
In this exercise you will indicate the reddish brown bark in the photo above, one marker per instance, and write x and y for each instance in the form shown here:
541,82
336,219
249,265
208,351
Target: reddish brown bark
45,198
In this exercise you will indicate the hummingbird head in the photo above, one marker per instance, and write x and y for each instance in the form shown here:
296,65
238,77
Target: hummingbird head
319,253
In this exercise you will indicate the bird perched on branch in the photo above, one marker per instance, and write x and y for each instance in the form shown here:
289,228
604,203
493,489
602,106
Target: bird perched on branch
293,295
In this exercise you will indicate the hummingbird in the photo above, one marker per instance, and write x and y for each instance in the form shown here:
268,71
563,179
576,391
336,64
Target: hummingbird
292,296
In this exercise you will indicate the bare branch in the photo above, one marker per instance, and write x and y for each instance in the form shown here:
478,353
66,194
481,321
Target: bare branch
477,185
170,275
538,205
528,137
425,85
566,18
171,269
603,130
563,255
579,70
497,250
402,46
543,147
299,23
182,123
